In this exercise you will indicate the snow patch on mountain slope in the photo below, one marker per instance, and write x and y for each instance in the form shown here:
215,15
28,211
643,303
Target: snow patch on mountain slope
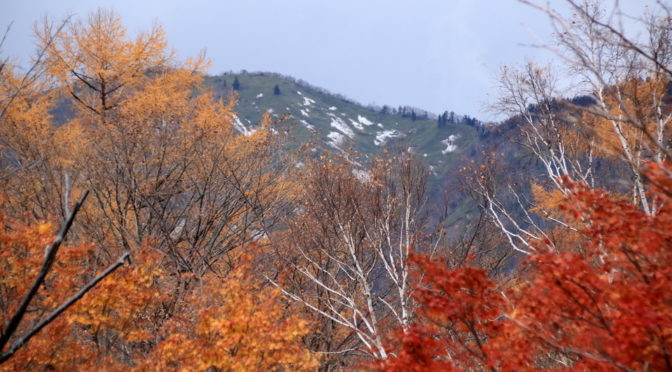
304,113
356,124
364,120
361,122
240,127
382,137
333,108
260,95
450,144
307,101
307,124
336,139
341,126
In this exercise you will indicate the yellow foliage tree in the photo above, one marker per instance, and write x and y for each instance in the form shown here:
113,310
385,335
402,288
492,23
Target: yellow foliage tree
171,181
21,253
97,63
238,325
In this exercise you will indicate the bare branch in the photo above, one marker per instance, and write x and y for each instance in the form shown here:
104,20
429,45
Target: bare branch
64,306
49,258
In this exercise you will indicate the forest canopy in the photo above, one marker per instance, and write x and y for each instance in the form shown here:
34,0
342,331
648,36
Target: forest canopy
142,229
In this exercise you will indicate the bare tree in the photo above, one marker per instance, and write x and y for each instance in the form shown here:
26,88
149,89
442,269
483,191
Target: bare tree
351,239
628,77
623,121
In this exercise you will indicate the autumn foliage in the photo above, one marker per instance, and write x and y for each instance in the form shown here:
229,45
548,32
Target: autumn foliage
604,307
590,290
173,189
204,247
238,325
458,311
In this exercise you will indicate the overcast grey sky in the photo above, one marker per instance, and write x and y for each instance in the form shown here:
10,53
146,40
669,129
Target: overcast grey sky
433,54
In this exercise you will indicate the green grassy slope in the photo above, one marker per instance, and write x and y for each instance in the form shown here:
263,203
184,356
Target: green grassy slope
339,124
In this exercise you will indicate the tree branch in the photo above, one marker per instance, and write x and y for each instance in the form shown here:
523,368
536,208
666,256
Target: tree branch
71,301
49,256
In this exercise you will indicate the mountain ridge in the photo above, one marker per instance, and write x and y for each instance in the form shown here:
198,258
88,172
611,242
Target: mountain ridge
339,122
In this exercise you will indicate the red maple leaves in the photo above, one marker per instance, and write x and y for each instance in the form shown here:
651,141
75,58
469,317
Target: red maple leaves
606,305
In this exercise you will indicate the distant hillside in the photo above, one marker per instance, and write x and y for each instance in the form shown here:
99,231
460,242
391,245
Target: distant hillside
340,124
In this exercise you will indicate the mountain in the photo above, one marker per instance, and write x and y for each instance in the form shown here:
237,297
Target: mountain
340,124
335,123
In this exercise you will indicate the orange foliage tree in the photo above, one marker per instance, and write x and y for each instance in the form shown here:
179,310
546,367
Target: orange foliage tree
238,325
232,323
38,288
173,186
